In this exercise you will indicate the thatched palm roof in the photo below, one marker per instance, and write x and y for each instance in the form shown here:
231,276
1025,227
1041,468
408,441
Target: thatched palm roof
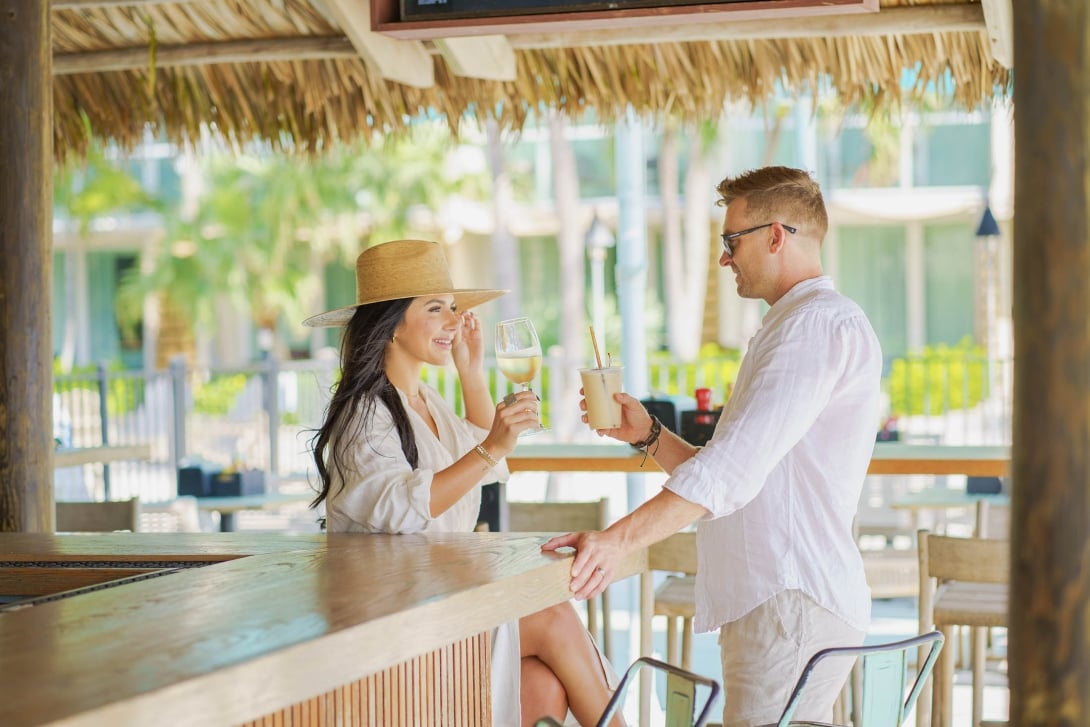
291,71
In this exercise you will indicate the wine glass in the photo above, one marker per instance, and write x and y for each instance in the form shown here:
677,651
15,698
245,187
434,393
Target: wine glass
518,354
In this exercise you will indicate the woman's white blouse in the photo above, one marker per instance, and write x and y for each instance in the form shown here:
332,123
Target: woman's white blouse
381,493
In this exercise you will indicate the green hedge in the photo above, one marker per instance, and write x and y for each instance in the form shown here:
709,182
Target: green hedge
715,366
123,395
938,379
217,396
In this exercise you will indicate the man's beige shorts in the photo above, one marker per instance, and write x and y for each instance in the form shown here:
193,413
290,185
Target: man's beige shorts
765,651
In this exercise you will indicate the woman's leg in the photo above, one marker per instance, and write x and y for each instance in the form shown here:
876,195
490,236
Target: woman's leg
542,693
557,637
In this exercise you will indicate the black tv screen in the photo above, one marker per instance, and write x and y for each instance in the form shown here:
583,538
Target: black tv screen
451,9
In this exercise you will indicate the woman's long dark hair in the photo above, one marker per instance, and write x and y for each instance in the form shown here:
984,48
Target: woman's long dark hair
363,382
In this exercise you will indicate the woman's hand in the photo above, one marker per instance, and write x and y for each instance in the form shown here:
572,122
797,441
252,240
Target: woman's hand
468,348
518,412
635,421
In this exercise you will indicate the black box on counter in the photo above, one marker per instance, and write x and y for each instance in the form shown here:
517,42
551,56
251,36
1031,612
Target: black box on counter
195,480
237,483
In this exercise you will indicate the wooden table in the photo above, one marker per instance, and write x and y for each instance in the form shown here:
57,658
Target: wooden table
75,456
313,628
889,459
942,499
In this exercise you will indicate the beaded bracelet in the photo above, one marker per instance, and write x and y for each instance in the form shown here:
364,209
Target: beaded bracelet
652,438
486,456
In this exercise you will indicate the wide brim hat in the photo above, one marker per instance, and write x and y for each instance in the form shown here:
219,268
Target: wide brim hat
402,269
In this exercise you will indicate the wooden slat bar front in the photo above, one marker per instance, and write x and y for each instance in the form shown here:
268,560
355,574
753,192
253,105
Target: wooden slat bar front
888,459
406,693
270,622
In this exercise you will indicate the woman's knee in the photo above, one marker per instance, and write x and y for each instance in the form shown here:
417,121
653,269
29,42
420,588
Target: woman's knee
542,693
559,619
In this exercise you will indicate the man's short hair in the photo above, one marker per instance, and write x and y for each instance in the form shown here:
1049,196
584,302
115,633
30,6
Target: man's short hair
779,194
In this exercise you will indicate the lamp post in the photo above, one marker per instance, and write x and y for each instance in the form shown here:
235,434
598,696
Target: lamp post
598,241
987,235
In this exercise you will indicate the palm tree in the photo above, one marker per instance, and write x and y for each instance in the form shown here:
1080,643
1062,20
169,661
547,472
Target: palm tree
267,224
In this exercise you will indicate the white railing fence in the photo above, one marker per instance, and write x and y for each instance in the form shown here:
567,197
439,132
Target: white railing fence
263,416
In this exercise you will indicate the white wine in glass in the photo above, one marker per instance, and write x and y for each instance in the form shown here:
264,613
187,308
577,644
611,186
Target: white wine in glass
518,353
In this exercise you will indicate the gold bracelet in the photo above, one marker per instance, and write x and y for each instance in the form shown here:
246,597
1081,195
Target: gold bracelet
492,463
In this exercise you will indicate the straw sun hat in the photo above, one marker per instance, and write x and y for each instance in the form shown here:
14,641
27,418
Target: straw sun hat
402,269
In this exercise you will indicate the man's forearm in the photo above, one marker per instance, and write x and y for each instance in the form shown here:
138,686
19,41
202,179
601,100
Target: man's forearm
658,518
670,451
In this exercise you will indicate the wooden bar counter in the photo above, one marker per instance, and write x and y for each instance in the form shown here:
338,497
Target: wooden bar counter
229,629
889,459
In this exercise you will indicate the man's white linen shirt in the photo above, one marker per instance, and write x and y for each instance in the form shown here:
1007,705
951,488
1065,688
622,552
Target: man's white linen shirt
783,473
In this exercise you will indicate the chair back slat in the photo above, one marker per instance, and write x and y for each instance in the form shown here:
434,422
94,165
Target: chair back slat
676,553
98,517
980,560
884,677
558,517
680,699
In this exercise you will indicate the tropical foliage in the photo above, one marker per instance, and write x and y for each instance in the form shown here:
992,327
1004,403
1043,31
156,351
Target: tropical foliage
266,224
939,379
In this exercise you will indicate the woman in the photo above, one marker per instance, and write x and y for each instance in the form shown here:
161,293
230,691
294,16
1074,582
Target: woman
393,457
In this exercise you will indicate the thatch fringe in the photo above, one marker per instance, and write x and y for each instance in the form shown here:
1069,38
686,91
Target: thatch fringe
306,105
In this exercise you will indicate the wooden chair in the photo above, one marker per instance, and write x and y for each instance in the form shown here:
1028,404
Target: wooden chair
180,515
675,597
98,517
564,517
963,582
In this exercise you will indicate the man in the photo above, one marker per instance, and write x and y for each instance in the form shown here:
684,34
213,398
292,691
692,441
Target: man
776,488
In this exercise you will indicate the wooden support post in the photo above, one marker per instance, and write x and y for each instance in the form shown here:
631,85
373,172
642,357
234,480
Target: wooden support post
26,268
1050,539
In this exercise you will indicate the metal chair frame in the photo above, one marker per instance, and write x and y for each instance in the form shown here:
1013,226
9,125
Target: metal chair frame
885,671
691,717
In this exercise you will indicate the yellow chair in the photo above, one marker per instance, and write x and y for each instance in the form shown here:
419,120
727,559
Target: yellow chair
98,517
565,517
963,582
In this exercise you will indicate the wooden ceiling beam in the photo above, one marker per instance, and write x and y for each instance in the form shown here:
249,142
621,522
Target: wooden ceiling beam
490,57
404,61
265,50
998,17
910,20
96,4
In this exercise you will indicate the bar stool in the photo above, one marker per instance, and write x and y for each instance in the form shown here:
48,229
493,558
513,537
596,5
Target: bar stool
675,598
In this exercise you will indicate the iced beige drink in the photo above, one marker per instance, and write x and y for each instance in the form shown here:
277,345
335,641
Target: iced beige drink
599,386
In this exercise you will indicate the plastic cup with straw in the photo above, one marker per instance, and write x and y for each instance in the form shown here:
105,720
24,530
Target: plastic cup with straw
599,386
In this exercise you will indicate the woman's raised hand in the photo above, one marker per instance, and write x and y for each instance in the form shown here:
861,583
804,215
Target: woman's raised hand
468,348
